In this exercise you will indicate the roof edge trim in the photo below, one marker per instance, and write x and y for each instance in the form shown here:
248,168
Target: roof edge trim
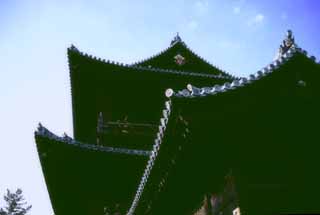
156,147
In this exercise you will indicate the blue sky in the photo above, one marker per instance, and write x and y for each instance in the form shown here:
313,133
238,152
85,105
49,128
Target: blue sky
239,36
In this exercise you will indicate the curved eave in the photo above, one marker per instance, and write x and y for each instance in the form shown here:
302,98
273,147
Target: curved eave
194,92
43,132
105,175
134,67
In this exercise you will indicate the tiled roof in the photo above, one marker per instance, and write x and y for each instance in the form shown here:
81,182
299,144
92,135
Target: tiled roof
135,67
193,91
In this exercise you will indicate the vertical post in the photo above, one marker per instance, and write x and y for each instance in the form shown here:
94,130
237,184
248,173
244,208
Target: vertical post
99,128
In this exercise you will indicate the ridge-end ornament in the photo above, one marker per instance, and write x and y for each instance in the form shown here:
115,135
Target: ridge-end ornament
179,59
169,92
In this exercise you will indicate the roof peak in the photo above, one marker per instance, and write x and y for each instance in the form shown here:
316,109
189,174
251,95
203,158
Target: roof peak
176,39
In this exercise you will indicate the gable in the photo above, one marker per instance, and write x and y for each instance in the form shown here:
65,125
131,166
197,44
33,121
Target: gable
179,57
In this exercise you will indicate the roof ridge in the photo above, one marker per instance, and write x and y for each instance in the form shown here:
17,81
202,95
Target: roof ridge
153,69
206,61
152,56
156,147
44,132
92,57
192,91
182,72
177,39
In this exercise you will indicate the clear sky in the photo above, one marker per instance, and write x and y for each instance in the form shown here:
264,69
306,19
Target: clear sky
239,36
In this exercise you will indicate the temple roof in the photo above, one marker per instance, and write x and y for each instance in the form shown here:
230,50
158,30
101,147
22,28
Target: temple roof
163,67
60,154
88,177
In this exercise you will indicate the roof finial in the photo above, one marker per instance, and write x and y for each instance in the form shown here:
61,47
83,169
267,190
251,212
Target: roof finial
287,43
289,39
73,48
176,39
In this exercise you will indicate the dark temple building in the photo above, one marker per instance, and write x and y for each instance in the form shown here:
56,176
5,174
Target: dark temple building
174,134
